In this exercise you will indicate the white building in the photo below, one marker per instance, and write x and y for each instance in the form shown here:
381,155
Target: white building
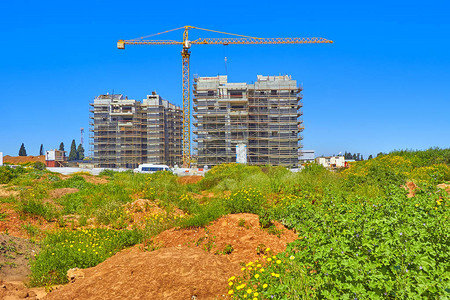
306,156
331,162
1,158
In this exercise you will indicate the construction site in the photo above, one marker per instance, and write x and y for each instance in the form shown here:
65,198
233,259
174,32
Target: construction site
126,132
262,119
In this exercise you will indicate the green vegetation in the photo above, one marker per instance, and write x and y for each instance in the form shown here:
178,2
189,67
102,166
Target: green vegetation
80,248
360,236
22,150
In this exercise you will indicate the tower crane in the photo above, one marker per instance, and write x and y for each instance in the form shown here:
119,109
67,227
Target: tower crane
237,39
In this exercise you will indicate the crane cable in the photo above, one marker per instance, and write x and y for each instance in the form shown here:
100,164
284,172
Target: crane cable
192,27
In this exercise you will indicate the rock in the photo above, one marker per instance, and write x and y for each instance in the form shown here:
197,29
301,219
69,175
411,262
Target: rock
32,294
22,294
75,274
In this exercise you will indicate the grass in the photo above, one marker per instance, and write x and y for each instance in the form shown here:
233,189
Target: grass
359,234
66,249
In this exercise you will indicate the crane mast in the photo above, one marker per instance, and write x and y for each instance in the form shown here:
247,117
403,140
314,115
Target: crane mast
185,56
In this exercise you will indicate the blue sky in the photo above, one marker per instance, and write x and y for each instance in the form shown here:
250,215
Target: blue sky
383,85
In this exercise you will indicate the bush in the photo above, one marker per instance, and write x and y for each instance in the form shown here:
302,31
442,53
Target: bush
65,249
75,181
204,214
230,172
38,208
39,166
6,174
370,248
247,200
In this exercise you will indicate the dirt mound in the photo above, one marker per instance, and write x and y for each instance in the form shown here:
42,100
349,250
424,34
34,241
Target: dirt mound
15,254
411,188
170,273
189,179
23,159
444,186
17,290
192,263
94,179
241,232
58,193
22,226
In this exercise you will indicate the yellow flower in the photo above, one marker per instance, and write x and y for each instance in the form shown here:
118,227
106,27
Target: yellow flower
232,278
256,294
277,275
249,291
278,261
267,249
243,268
269,259
292,257
230,283
262,270
417,205
256,276
265,285
230,292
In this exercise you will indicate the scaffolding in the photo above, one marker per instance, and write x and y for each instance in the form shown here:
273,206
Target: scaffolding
126,133
264,116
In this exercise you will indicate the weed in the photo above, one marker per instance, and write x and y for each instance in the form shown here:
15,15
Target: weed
32,230
3,216
38,208
65,249
228,249
241,222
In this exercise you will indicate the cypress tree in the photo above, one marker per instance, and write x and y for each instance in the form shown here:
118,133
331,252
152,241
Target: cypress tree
61,146
22,150
80,152
73,151
41,150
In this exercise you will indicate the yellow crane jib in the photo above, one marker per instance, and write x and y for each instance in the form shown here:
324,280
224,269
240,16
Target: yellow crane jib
238,39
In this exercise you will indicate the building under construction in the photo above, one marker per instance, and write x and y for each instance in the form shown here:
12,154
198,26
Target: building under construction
264,118
126,132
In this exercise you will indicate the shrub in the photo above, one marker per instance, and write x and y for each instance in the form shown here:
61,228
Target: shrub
365,248
75,181
39,166
230,172
247,200
65,249
205,214
38,208
6,174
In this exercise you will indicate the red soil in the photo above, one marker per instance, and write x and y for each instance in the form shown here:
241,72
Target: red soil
183,268
23,159
189,179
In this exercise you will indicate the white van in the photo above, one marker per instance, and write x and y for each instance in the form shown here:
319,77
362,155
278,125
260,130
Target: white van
151,168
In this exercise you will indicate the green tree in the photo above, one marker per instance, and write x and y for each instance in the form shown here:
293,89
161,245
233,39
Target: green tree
22,150
41,150
370,156
73,151
61,146
80,152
